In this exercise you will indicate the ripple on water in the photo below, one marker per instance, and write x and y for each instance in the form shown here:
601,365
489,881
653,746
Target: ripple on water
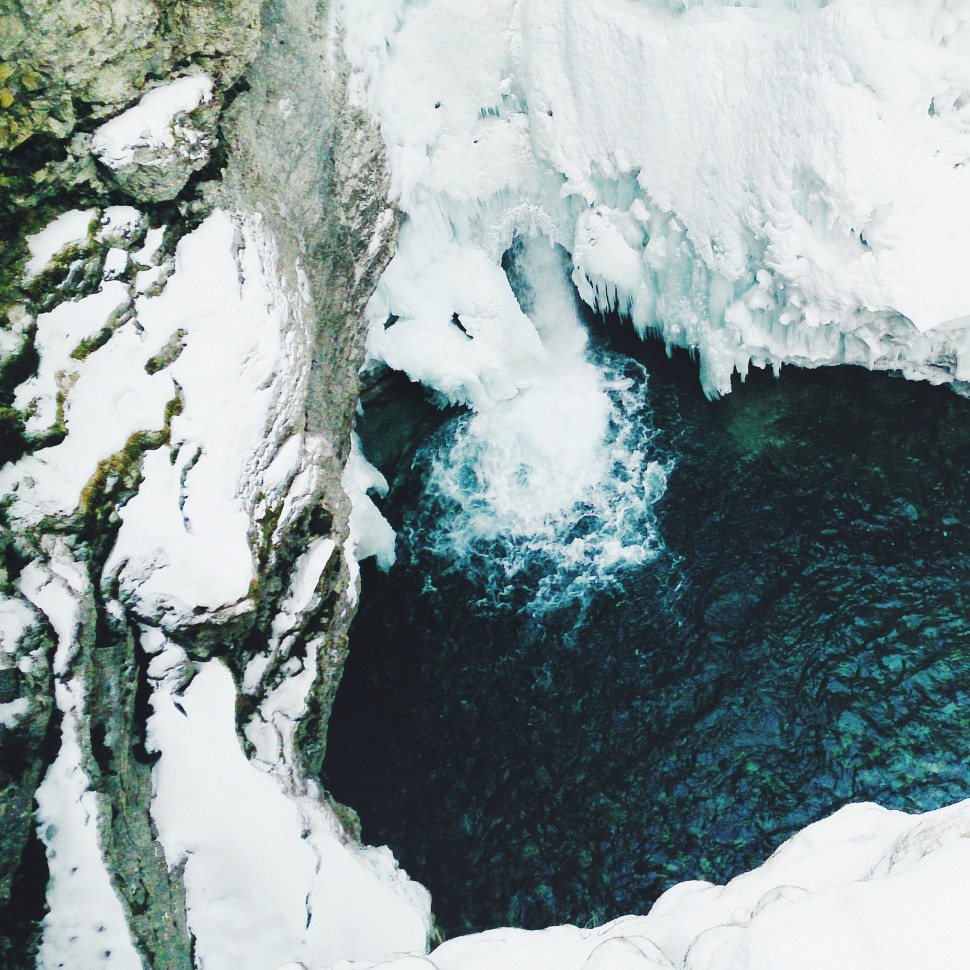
542,740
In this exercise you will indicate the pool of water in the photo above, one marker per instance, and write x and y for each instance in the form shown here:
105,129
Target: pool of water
545,735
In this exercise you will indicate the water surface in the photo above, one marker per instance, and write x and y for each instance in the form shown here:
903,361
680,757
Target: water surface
545,737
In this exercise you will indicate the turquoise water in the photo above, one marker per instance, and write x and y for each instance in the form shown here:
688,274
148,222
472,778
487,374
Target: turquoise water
542,742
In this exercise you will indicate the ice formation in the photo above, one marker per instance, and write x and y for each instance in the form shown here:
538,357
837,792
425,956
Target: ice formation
559,478
763,182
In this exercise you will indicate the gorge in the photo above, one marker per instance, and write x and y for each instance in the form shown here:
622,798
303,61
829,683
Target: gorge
745,609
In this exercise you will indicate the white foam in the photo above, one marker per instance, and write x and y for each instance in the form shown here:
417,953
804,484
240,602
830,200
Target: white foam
560,477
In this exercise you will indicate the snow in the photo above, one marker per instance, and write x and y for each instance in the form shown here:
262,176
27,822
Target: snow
59,333
120,223
219,360
865,889
767,182
231,358
184,544
13,711
783,181
55,588
16,619
85,925
147,255
370,533
149,124
271,880
69,228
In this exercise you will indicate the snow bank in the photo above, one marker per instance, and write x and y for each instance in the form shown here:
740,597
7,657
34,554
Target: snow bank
767,182
269,879
865,889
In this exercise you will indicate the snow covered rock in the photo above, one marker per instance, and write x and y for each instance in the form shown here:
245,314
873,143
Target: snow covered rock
172,505
152,149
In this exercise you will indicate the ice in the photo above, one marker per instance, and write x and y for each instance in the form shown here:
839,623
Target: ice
67,229
459,328
557,479
149,123
766,183
783,181
370,533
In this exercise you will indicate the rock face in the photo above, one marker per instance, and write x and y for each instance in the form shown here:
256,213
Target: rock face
67,61
65,67
178,385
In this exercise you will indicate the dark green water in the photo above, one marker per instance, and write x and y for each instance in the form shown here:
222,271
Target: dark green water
800,640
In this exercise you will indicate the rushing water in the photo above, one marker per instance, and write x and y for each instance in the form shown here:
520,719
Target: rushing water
719,624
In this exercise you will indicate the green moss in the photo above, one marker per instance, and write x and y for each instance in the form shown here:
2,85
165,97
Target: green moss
88,346
116,479
168,354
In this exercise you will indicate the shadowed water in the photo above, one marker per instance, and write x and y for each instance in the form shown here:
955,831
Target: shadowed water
796,638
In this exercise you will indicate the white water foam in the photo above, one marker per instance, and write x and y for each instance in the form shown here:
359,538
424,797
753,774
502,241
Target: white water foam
552,491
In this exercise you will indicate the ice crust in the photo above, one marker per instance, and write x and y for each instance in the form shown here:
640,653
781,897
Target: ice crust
764,182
